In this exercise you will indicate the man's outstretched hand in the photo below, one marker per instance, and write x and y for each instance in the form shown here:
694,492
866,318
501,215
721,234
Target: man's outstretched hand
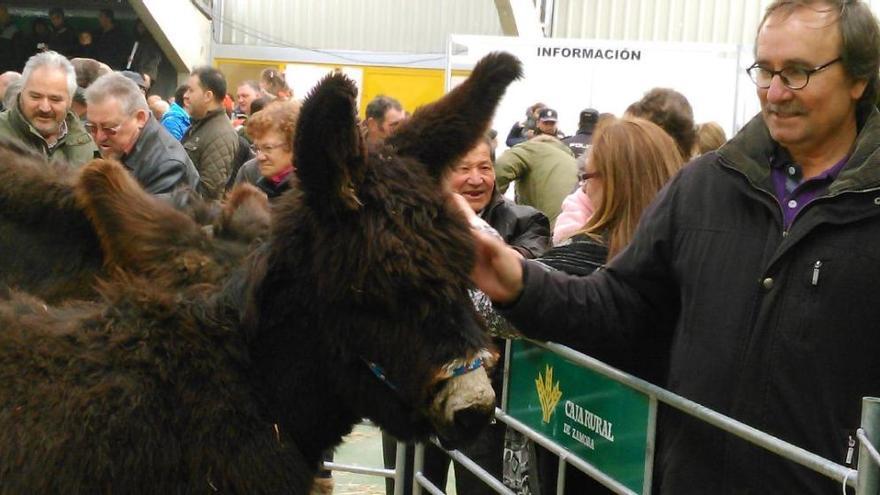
498,268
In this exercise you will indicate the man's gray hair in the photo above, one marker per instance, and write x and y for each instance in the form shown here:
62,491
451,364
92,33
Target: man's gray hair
123,89
52,60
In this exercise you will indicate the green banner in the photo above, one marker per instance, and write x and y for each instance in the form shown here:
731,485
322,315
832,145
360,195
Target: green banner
601,421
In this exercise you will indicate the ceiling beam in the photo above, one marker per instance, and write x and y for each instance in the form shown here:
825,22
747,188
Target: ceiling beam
519,18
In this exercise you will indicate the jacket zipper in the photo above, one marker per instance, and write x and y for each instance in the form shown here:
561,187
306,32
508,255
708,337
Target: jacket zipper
816,266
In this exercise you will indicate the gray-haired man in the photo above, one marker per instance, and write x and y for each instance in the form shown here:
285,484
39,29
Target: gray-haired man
124,128
41,118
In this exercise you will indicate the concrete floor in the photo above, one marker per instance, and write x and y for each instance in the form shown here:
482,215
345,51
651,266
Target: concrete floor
363,447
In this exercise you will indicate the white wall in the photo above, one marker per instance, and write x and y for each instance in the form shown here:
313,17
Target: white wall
711,76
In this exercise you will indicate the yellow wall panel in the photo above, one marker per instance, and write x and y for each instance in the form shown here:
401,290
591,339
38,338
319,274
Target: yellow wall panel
412,87
237,71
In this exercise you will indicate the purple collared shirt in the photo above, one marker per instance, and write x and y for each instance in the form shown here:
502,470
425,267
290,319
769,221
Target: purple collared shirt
792,192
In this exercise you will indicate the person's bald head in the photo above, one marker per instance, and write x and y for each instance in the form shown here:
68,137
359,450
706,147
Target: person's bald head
6,79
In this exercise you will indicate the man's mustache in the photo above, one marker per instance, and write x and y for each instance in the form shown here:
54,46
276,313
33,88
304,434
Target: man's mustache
789,109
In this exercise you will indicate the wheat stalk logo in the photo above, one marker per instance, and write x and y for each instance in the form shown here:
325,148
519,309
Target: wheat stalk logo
548,393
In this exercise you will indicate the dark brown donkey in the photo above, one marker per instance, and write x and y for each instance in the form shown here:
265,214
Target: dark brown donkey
355,306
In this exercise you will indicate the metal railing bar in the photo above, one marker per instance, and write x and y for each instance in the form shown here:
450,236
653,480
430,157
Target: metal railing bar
418,465
506,371
427,484
563,454
764,440
396,474
560,475
399,468
868,473
354,468
476,469
863,438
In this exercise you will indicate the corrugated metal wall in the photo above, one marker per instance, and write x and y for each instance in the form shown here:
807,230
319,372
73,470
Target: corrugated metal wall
422,26
703,21
413,26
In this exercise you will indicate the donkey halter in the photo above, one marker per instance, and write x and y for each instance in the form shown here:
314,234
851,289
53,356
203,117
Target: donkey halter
456,367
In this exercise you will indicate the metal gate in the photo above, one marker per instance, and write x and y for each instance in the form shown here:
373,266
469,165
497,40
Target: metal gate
865,480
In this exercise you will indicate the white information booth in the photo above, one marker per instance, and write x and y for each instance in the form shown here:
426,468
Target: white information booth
572,74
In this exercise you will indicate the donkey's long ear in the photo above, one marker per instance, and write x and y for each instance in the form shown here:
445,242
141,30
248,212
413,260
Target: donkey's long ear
439,133
329,152
139,232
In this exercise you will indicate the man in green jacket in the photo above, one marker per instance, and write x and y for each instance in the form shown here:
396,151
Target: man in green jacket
42,119
545,173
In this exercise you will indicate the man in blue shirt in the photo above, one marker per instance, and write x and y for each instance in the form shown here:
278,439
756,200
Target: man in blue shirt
176,120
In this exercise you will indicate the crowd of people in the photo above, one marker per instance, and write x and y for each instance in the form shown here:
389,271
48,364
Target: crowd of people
73,111
109,43
735,273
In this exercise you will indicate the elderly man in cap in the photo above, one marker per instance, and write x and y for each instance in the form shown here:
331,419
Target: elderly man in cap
138,79
42,119
125,130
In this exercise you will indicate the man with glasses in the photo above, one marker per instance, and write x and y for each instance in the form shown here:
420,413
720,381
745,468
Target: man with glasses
122,125
42,119
750,285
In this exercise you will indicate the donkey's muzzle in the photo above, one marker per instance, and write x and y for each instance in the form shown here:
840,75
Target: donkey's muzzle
463,407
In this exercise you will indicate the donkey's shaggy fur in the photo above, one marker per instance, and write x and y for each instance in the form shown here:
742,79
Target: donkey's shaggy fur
238,385
56,229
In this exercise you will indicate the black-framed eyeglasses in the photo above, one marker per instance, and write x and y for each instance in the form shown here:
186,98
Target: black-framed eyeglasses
792,77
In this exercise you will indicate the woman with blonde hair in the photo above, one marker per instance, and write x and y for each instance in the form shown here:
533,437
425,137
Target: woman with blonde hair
630,161
710,137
